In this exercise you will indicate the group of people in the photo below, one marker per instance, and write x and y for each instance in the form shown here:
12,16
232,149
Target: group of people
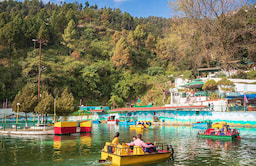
224,131
136,141
143,123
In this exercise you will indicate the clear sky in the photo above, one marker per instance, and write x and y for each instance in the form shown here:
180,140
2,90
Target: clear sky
137,8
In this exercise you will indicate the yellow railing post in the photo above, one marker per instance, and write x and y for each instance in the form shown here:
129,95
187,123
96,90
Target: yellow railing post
17,119
54,109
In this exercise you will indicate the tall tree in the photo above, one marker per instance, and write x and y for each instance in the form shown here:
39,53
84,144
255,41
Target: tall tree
27,99
70,35
209,16
150,42
139,35
122,55
65,104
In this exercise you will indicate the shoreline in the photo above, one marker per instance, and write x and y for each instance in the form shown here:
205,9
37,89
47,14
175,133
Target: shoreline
50,131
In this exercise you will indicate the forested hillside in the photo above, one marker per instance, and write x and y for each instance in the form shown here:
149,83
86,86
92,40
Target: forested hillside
105,56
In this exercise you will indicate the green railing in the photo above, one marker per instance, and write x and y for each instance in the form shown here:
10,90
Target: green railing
238,108
16,126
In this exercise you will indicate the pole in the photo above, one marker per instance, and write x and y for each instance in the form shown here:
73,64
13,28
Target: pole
39,69
17,119
54,118
3,113
5,110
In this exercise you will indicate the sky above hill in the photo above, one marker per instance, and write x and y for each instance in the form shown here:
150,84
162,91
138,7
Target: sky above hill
136,8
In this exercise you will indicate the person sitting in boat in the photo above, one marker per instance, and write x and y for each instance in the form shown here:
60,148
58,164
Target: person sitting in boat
142,144
139,122
224,129
133,139
217,131
115,139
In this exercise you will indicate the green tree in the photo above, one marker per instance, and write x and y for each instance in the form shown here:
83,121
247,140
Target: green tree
210,85
226,85
70,36
45,105
139,35
43,33
150,42
116,101
27,99
65,104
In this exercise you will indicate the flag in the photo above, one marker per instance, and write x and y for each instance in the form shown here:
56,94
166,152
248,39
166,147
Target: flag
166,93
80,102
139,100
245,99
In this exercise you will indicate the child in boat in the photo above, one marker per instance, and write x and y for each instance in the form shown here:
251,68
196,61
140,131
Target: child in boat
139,142
115,139
217,131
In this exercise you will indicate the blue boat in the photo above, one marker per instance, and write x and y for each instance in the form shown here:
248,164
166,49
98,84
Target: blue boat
95,121
202,125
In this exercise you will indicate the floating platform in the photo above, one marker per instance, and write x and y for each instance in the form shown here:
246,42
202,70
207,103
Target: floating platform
65,127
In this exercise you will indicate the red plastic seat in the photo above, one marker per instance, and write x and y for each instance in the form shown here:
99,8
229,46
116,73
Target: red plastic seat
209,131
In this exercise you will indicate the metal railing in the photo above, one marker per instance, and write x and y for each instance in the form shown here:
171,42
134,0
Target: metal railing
18,126
133,150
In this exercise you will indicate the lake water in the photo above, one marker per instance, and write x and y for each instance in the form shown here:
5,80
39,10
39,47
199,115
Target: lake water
84,149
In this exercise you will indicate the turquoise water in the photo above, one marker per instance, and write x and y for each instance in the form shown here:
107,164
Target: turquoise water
84,149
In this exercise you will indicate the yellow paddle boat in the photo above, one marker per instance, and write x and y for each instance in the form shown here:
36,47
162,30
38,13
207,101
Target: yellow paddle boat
124,155
137,127
218,125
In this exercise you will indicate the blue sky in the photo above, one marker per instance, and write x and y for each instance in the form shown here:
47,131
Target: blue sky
137,8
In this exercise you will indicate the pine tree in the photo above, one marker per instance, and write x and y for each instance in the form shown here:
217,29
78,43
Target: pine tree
70,35
122,55
139,35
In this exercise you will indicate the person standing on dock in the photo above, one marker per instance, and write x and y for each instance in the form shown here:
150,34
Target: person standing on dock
212,109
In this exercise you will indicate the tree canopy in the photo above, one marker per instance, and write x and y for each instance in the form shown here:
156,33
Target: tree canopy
105,55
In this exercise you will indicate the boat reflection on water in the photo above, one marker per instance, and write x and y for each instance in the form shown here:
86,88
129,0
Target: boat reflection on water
63,144
85,143
222,144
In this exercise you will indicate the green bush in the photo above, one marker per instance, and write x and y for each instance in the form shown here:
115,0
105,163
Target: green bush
251,74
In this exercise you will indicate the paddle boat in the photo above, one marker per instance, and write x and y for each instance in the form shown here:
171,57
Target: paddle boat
202,125
137,127
127,121
218,125
212,134
112,120
125,155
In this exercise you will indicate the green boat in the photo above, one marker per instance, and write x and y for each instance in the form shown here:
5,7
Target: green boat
210,134
222,137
